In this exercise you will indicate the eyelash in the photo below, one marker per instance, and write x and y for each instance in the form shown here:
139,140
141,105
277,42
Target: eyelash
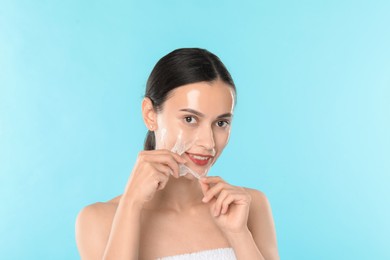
188,120
190,117
227,123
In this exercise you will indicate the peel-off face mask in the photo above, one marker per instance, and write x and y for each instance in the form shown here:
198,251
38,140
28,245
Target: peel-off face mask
183,144
181,147
192,123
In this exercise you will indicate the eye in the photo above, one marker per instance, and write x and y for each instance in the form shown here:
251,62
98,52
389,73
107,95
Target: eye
190,119
223,124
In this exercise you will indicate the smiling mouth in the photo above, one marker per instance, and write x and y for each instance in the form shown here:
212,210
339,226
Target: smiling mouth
200,159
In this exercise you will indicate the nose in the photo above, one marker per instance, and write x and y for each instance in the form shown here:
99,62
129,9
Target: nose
206,138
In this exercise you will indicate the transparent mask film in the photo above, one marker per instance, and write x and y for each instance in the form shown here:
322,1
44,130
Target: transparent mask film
180,142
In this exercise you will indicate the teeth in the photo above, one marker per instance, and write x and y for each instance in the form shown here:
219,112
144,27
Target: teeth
200,157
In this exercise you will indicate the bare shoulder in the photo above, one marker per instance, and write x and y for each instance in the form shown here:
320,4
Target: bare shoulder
258,197
259,208
100,212
100,209
93,225
261,224
259,205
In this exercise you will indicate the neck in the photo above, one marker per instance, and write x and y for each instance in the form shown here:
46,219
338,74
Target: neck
178,195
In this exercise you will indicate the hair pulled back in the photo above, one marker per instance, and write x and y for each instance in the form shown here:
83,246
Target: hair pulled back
181,67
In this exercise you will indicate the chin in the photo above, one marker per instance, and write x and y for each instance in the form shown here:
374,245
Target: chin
189,176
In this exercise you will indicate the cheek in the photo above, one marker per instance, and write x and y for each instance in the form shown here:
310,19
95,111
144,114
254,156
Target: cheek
221,139
166,134
166,138
171,133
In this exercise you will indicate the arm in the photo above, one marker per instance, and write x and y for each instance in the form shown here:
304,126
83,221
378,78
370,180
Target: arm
105,232
258,241
123,242
114,233
91,232
261,225
244,245
244,216
98,238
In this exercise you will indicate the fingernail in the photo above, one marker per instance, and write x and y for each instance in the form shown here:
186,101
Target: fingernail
204,199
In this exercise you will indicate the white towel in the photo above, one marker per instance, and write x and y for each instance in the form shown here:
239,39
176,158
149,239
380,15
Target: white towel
214,254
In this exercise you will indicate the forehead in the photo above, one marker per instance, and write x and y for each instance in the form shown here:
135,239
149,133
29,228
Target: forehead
207,97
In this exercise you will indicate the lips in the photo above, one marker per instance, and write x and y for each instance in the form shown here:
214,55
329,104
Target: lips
200,159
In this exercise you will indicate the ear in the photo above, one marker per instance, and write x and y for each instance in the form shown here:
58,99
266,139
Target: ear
149,115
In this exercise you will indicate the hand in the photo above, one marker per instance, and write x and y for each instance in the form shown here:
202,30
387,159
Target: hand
229,205
151,173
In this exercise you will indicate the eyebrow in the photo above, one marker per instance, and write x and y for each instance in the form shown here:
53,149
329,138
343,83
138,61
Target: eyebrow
202,115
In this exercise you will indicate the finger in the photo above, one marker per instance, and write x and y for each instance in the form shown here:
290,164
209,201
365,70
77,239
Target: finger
213,179
162,184
160,180
179,159
226,203
215,190
176,156
162,168
205,187
218,204
166,159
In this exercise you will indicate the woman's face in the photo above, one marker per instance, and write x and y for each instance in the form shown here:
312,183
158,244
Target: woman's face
197,117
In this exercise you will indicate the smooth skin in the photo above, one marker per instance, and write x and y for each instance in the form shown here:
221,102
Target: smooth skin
161,214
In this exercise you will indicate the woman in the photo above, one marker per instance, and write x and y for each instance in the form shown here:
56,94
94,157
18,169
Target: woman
170,209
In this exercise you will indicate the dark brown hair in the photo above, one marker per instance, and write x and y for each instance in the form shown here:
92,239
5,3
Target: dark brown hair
181,67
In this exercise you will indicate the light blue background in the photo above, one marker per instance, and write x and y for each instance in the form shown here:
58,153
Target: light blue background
311,129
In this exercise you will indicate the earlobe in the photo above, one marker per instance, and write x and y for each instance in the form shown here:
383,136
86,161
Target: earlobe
149,114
